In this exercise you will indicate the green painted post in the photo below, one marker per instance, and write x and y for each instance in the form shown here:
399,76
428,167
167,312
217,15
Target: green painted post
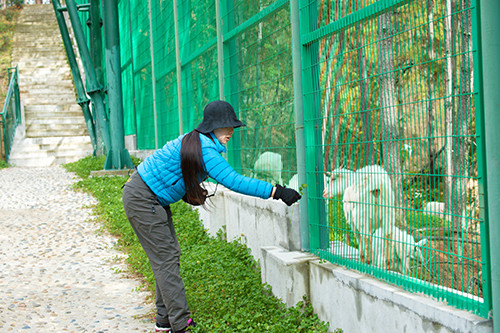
299,121
178,66
94,89
220,48
118,157
95,45
95,26
82,100
312,130
490,45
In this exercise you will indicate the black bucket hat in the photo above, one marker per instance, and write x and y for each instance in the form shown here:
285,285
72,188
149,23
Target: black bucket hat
218,114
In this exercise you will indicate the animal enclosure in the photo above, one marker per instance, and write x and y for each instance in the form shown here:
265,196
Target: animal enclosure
376,104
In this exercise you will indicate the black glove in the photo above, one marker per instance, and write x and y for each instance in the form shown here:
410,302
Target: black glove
288,195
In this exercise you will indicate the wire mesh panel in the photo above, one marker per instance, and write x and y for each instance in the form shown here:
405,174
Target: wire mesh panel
259,78
165,71
392,131
198,40
126,57
143,81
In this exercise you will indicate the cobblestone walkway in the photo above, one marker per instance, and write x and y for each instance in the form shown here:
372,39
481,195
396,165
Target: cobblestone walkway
58,273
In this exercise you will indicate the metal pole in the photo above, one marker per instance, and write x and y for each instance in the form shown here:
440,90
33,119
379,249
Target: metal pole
490,42
118,157
95,25
94,89
220,49
178,66
299,120
82,100
153,77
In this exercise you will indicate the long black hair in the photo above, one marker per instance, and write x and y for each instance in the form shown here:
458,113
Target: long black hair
192,167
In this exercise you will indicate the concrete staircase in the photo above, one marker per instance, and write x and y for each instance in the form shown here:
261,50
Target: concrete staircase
53,130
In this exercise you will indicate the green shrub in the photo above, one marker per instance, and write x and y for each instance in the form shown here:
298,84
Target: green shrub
4,164
222,280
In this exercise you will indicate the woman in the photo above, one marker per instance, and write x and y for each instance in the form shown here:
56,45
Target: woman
174,173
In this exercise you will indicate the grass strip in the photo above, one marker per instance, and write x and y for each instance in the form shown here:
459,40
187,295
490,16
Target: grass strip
222,279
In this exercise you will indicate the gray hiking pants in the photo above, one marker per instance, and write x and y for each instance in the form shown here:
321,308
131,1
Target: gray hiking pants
153,225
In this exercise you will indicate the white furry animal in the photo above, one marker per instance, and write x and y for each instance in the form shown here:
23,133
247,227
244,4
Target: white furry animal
338,181
393,249
369,205
294,181
268,167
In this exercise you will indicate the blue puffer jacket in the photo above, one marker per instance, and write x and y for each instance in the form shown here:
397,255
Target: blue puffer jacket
162,172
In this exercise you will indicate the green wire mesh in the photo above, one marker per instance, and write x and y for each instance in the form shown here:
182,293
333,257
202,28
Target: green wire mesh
393,83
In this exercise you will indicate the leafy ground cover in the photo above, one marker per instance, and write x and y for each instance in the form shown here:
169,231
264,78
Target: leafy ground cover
222,279
8,18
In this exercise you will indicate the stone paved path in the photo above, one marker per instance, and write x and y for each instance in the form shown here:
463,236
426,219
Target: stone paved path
58,273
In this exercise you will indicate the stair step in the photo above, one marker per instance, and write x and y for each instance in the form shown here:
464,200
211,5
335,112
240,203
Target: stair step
63,108
48,91
35,152
54,130
47,130
56,120
48,100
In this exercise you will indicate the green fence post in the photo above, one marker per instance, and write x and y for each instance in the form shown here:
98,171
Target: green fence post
178,66
490,30
118,157
95,47
299,121
82,100
312,132
95,37
220,49
153,71
94,89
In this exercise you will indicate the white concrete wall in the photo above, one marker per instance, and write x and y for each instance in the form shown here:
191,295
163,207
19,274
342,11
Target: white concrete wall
346,299
258,222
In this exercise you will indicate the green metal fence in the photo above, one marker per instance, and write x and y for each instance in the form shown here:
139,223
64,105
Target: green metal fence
10,116
389,83
392,121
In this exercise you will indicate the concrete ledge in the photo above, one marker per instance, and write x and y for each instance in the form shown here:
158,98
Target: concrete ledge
103,173
286,272
359,303
259,222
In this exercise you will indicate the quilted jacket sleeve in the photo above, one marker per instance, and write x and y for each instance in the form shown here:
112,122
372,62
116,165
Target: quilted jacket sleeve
220,170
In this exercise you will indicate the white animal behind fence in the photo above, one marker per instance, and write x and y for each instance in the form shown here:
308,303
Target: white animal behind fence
394,248
368,205
268,167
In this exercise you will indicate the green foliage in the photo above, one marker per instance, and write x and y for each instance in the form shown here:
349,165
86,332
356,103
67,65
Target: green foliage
4,164
7,23
222,279
85,166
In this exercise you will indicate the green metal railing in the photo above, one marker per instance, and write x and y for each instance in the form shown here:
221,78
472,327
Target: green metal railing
10,116
328,89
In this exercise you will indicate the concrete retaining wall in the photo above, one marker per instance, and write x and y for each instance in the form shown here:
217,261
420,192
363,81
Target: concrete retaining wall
346,299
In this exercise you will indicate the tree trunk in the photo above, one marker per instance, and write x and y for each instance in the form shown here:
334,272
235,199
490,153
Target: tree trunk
448,106
430,97
461,128
365,102
389,111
